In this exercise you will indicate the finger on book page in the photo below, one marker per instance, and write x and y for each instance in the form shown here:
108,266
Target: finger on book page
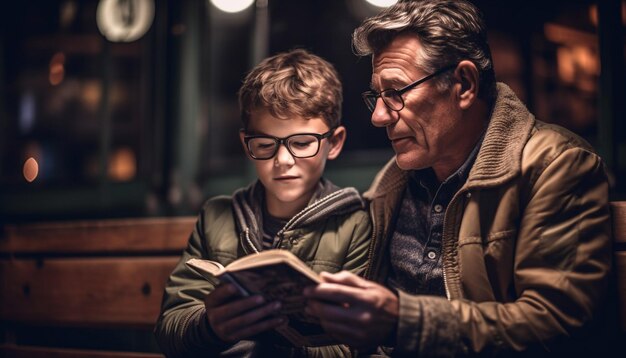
334,292
344,277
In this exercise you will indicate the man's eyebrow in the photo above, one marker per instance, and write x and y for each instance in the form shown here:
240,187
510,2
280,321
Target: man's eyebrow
394,82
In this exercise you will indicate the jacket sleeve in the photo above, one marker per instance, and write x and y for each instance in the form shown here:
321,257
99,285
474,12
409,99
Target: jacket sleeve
182,329
561,263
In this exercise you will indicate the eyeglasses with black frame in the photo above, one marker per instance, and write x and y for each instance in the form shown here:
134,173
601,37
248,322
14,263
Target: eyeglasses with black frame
392,98
299,145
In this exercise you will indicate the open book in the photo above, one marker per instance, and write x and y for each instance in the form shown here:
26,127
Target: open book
277,275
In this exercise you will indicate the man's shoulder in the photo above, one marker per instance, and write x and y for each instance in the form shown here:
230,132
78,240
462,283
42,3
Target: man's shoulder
547,134
548,142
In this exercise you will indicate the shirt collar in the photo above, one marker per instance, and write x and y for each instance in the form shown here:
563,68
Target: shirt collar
427,179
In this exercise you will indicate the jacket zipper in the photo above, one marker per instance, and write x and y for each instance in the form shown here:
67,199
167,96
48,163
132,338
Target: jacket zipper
445,217
370,250
302,213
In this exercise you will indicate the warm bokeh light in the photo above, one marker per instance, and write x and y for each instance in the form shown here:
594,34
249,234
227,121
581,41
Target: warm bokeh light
568,36
577,58
578,65
57,68
593,14
31,169
382,3
67,13
232,6
91,94
122,165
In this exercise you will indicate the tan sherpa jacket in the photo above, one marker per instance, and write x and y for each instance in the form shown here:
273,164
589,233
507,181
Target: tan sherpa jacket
526,249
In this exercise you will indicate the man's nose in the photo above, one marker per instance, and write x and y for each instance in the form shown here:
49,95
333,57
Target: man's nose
382,116
283,156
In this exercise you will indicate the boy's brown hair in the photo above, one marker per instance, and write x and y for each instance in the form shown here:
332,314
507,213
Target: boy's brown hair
296,82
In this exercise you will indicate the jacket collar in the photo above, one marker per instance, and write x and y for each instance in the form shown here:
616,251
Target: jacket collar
328,200
499,158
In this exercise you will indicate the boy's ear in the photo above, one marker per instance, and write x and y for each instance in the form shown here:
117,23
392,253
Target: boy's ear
468,76
336,142
242,134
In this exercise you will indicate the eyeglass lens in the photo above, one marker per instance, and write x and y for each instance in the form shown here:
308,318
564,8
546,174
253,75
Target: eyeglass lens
300,146
392,99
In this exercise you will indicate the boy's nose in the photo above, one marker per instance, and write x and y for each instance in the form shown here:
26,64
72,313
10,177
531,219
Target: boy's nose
283,157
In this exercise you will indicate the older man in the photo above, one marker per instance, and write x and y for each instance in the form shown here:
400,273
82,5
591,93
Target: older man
491,227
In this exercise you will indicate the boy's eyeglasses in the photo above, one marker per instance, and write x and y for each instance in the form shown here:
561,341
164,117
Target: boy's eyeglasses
392,98
300,145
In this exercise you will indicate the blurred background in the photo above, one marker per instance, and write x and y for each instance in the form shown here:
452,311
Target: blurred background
128,108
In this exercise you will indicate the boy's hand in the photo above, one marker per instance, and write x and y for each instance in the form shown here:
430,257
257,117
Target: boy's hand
234,318
355,311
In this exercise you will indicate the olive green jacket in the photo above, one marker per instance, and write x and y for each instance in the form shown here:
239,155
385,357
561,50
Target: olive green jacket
331,234
526,244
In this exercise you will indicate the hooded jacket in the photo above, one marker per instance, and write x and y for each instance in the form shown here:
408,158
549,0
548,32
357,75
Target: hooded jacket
331,234
525,244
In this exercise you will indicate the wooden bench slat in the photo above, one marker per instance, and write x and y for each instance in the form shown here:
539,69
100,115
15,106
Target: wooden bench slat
151,235
618,216
84,291
12,351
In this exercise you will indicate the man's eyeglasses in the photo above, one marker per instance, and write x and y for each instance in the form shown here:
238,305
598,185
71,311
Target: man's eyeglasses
300,145
392,98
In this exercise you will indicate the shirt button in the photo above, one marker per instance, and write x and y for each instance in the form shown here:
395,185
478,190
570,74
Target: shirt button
438,208
432,255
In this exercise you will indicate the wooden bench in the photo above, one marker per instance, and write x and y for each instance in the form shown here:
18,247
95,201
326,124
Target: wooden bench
88,288
102,281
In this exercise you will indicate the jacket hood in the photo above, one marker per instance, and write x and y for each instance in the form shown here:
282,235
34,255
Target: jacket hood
328,200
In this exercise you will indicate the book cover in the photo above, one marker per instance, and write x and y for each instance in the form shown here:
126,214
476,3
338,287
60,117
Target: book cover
277,275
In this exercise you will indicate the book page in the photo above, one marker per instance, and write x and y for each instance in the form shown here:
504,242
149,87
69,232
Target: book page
210,270
273,257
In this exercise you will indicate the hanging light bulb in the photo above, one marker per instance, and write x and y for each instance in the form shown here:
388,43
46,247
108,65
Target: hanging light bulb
232,6
124,20
382,3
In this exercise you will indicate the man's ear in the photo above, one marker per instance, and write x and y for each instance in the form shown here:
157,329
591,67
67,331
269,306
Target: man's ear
336,142
467,74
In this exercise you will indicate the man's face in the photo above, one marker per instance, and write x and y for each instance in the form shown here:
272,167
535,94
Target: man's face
424,132
289,182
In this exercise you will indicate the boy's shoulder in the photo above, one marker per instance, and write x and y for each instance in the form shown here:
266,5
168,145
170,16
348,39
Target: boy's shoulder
217,205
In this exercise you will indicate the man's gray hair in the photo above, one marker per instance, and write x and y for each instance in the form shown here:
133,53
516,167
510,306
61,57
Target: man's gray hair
449,31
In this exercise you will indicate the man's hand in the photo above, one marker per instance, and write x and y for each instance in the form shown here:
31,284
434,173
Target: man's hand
355,311
234,318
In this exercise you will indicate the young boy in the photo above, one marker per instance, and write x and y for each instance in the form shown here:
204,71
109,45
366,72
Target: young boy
290,106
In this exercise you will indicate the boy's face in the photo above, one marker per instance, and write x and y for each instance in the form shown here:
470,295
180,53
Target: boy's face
290,182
